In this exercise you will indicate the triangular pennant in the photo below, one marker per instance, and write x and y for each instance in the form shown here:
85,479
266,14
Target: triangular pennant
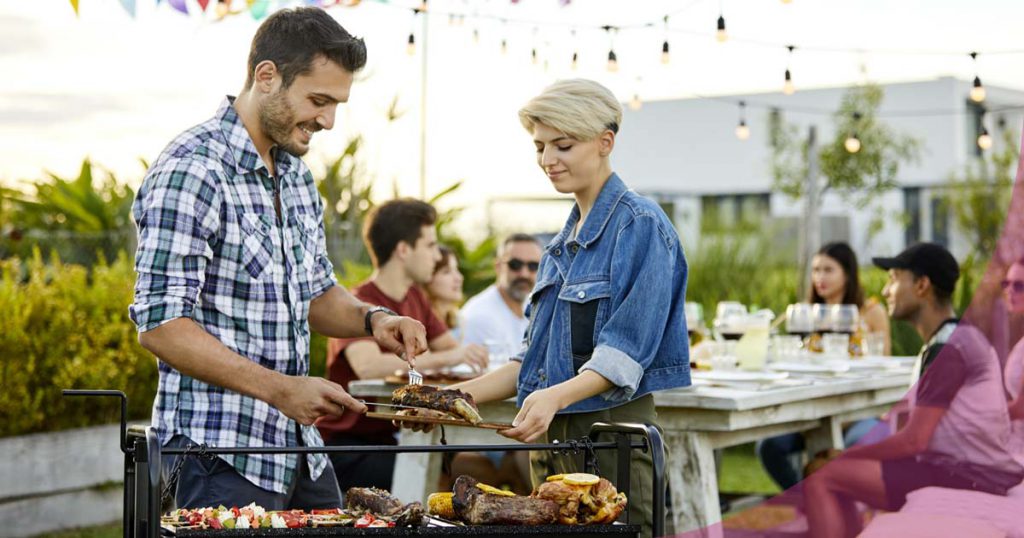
129,6
74,5
179,5
203,4
258,8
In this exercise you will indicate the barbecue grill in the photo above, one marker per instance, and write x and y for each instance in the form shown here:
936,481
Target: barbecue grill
142,496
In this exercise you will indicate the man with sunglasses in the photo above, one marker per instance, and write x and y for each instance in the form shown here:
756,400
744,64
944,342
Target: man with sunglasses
494,317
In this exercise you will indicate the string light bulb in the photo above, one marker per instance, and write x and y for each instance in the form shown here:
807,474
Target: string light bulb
977,90
722,36
984,139
665,58
575,58
742,131
635,103
787,86
410,46
423,6
613,62
852,143
504,46
533,56
476,36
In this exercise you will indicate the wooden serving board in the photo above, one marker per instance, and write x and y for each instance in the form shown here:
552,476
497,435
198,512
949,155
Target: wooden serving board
444,421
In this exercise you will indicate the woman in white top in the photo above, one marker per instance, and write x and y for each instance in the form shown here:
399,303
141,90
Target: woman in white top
1013,376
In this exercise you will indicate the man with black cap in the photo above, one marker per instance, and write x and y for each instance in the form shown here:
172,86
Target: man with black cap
958,426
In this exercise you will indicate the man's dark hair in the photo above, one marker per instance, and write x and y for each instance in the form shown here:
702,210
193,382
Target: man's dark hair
393,222
294,38
518,238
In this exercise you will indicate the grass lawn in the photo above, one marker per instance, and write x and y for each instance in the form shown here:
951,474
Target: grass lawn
740,473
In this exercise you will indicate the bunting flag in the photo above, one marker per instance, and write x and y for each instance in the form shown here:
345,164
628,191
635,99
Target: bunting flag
74,5
258,8
203,4
179,5
129,6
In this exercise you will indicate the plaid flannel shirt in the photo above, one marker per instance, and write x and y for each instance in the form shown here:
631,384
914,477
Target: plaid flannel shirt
211,248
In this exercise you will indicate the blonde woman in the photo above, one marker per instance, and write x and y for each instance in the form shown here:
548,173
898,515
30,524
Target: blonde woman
606,324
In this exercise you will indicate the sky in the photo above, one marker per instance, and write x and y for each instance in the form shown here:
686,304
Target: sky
117,89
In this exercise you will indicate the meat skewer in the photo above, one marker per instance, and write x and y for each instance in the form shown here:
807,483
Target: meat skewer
451,401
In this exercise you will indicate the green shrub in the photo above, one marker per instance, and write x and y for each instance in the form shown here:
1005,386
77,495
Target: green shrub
66,327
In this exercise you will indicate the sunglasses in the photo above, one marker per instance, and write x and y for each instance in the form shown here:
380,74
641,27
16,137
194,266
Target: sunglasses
1016,285
516,264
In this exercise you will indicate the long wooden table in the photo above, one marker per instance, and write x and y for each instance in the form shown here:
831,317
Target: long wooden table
696,420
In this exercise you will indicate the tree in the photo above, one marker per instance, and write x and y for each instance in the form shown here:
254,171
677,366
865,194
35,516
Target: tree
80,217
858,177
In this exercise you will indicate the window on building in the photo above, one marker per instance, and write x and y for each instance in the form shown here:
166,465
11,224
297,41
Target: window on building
912,209
975,115
940,221
726,212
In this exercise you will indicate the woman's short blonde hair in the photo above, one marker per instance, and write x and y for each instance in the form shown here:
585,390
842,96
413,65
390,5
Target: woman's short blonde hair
579,108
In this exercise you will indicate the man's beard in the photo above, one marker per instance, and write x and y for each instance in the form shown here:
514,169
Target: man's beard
517,292
277,120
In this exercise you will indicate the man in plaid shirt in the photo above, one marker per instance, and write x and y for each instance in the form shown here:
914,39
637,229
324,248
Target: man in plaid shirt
233,273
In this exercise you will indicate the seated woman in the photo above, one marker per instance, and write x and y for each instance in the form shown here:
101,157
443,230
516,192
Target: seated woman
445,290
835,280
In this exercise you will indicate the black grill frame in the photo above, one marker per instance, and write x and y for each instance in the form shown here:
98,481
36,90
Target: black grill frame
143,453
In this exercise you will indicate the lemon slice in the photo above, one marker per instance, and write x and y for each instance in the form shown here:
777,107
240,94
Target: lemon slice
555,477
580,479
494,491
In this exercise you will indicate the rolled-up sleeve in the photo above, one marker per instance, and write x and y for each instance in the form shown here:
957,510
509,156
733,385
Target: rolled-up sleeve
642,281
177,215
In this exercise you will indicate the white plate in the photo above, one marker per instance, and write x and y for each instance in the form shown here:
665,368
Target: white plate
738,375
810,368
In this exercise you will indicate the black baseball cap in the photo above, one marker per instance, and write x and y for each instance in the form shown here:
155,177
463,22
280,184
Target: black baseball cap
926,259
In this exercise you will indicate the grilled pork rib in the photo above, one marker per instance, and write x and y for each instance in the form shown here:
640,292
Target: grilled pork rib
381,503
451,401
475,507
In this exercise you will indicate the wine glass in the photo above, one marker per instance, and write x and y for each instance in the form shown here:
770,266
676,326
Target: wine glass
730,319
845,318
799,319
821,314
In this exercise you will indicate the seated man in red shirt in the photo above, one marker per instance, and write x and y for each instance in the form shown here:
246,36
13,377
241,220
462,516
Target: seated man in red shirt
402,241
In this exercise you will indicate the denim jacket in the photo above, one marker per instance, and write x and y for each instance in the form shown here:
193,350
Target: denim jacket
609,300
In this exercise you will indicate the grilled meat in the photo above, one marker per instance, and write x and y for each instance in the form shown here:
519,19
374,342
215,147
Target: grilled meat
381,503
476,507
583,504
425,413
451,401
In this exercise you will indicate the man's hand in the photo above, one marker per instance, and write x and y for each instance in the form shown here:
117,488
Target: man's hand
533,419
403,336
305,399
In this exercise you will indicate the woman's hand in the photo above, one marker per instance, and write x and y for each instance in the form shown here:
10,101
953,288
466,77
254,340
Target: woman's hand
533,419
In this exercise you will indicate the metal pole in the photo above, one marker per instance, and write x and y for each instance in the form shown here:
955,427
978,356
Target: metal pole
423,109
811,233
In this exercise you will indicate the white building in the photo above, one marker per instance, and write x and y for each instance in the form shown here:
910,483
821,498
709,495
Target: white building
685,153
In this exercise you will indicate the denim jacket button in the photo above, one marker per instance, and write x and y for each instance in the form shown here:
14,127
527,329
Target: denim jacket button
582,295
575,249
558,252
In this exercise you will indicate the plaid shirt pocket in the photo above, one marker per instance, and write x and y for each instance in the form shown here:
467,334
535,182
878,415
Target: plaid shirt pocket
258,246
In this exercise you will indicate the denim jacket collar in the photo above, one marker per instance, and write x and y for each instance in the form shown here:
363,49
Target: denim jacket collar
604,205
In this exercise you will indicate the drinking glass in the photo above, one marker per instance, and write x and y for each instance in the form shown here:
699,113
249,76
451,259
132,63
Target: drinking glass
845,318
822,316
799,319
